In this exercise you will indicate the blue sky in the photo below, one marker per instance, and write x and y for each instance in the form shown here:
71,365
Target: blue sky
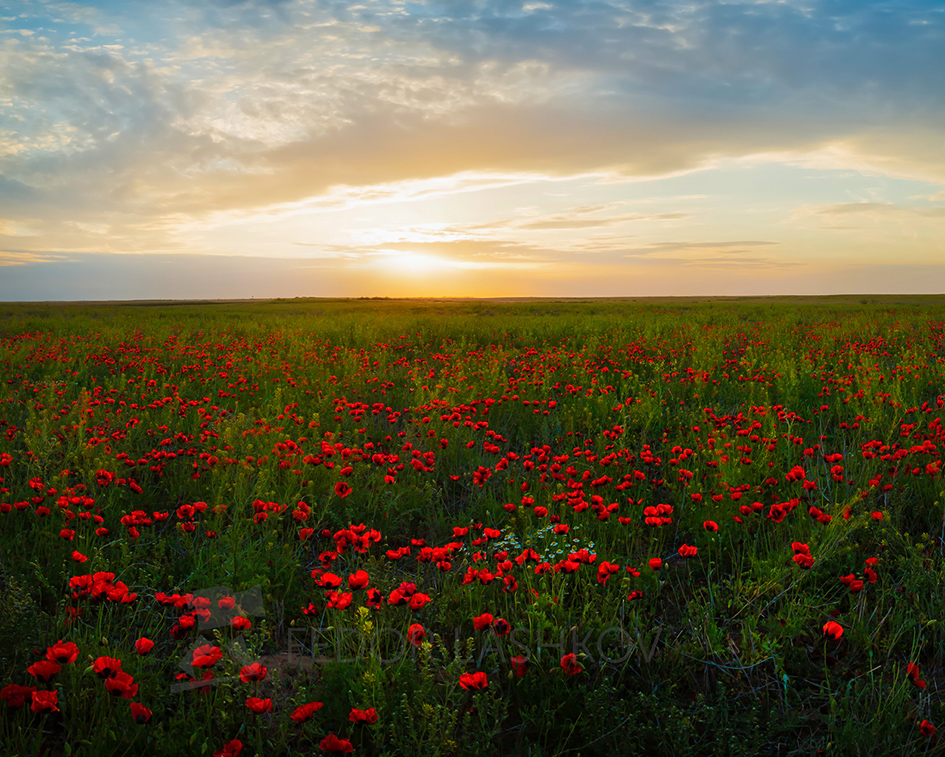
296,148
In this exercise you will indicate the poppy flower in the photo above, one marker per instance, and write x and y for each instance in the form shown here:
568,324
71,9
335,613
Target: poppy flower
106,667
333,744
636,594
122,685
358,580
258,705
804,561
342,489
501,627
925,728
474,681
519,665
253,672
418,600
483,621
305,711
230,749
45,701
710,525
912,670
687,550
15,695
656,563
416,634
140,713
241,624
44,670
143,645
62,652
833,629
368,716
206,656
569,664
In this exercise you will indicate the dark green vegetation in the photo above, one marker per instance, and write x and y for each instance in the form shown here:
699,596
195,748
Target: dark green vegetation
526,460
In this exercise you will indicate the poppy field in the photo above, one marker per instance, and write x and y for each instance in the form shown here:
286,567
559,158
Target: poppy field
393,527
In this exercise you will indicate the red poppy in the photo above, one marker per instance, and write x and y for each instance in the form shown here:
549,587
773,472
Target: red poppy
333,744
804,561
253,672
305,711
206,656
140,713
342,489
62,652
912,670
45,701
358,580
925,728
636,594
15,695
368,716
241,624
519,665
106,667
474,681
710,525
258,705
569,664
416,634
122,685
418,600
231,749
44,670
687,550
833,629
656,563
483,621
501,627
143,645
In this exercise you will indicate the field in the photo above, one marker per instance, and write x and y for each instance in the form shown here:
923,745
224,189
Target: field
383,527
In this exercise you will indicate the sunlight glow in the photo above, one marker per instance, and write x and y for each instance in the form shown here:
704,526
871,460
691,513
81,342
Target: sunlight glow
413,263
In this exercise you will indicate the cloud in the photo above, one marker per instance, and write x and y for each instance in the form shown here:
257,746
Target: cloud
128,129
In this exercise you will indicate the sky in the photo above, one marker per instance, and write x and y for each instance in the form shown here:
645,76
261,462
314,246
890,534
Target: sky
190,149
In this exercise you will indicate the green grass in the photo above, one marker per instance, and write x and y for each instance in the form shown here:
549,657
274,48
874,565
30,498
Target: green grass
477,412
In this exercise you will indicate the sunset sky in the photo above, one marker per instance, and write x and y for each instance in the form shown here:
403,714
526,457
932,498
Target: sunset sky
218,149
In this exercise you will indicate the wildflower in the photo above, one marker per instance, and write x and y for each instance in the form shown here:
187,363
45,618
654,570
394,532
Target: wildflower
143,646
519,665
416,634
62,652
44,670
253,672
46,701
333,744
122,685
140,713
259,706
833,629
569,664
106,667
474,681
368,716
15,695
230,749
305,711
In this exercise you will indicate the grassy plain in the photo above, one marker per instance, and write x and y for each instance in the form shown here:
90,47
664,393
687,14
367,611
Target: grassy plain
549,464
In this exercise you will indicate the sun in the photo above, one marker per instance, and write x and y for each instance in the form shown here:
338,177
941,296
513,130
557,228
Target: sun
414,263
